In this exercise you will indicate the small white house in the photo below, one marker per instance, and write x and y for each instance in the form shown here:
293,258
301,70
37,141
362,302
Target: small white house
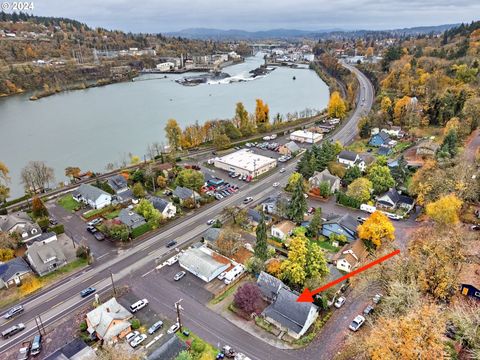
92,196
282,230
350,256
166,208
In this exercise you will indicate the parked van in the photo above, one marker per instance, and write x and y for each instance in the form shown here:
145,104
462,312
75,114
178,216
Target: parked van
368,208
234,273
140,304
13,330
36,345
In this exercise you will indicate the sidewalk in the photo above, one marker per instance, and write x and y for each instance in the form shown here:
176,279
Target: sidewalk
221,308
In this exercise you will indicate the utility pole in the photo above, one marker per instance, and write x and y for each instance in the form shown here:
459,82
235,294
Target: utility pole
178,307
113,283
41,325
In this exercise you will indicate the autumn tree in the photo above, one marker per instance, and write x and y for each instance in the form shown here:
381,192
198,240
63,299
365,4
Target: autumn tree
273,267
221,141
386,107
6,254
138,190
336,106
191,179
72,172
161,182
248,298
376,229
36,176
298,204
466,319
148,211
4,180
261,244
228,242
380,176
292,180
446,210
38,207
173,133
360,189
261,112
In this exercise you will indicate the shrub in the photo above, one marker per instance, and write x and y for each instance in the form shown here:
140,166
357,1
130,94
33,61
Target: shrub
43,223
83,326
142,229
83,252
135,323
58,229
346,200
198,346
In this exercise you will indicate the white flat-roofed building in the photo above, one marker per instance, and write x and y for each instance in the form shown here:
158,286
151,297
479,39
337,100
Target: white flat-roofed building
245,162
304,136
166,66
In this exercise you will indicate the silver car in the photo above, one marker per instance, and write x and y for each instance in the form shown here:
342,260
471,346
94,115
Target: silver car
138,340
179,275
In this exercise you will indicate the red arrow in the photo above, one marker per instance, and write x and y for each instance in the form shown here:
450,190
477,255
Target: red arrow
307,295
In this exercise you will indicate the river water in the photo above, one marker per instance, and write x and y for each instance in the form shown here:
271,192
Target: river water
91,128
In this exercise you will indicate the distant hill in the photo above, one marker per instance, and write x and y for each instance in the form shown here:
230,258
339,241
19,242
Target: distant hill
235,34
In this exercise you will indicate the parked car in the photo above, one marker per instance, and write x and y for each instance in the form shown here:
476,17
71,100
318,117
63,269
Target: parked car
140,304
138,340
282,170
247,200
377,298
475,227
218,196
91,229
275,184
305,196
368,310
53,221
171,243
339,302
24,351
168,192
174,328
99,236
13,311
210,222
361,220
36,345
87,291
311,210
155,327
95,222
132,335
179,275
357,323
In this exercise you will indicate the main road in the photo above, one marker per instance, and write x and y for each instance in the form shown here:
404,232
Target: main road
62,299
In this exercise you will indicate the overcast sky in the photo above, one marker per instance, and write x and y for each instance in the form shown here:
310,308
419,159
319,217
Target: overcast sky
172,15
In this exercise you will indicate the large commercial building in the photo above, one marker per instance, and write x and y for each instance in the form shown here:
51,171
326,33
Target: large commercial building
245,162
304,136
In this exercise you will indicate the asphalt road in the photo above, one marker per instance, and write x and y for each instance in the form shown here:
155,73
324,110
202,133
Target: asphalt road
64,298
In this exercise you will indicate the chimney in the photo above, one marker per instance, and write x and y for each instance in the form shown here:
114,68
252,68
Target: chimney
108,309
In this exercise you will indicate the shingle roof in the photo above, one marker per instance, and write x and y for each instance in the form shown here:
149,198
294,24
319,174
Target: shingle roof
169,349
14,267
384,150
117,182
131,218
384,136
292,146
159,203
184,193
347,155
7,222
397,198
101,317
254,215
89,192
201,262
269,285
287,311
347,221
211,234
39,253
285,226
324,176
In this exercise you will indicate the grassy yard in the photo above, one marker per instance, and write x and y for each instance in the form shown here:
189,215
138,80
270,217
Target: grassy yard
68,203
358,146
402,146
325,244
209,351
224,295
112,215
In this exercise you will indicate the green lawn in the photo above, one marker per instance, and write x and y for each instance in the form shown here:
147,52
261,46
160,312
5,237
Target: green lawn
402,146
94,212
68,203
327,246
112,215
74,265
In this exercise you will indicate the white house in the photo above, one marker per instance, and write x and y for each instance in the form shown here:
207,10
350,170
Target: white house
283,229
166,208
350,159
350,256
92,196
21,224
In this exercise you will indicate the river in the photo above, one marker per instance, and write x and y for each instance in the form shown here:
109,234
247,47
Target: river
93,127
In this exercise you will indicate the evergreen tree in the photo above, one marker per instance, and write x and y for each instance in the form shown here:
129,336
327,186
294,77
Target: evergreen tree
449,145
400,172
303,166
316,223
261,245
298,204
352,174
325,154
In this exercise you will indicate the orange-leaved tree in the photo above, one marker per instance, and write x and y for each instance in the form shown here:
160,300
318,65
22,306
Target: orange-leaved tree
445,211
376,229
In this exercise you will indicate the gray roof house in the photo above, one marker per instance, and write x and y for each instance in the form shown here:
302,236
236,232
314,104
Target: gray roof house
341,225
76,349
92,196
118,183
131,218
45,257
348,155
166,208
392,199
289,148
211,235
109,321
325,176
184,193
21,224
289,315
169,350
269,285
12,272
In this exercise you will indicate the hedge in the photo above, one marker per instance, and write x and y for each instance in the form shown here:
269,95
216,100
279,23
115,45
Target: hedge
346,200
142,229
58,229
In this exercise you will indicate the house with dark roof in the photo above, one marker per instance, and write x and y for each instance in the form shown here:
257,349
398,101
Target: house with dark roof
92,196
183,194
291,316
254,217
45,257
393,200
166,208
469,280
13,271
275,205
348,158
169,350
269,286
379,139
20,223
325,176
118,183
211,235
76,349
341,225
384,150
131,218
289,148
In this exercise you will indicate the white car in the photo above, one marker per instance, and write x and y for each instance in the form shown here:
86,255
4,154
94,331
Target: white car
174,328
377,298
357,323
138,340
131,336
275,184
210,222
339,303
282,170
